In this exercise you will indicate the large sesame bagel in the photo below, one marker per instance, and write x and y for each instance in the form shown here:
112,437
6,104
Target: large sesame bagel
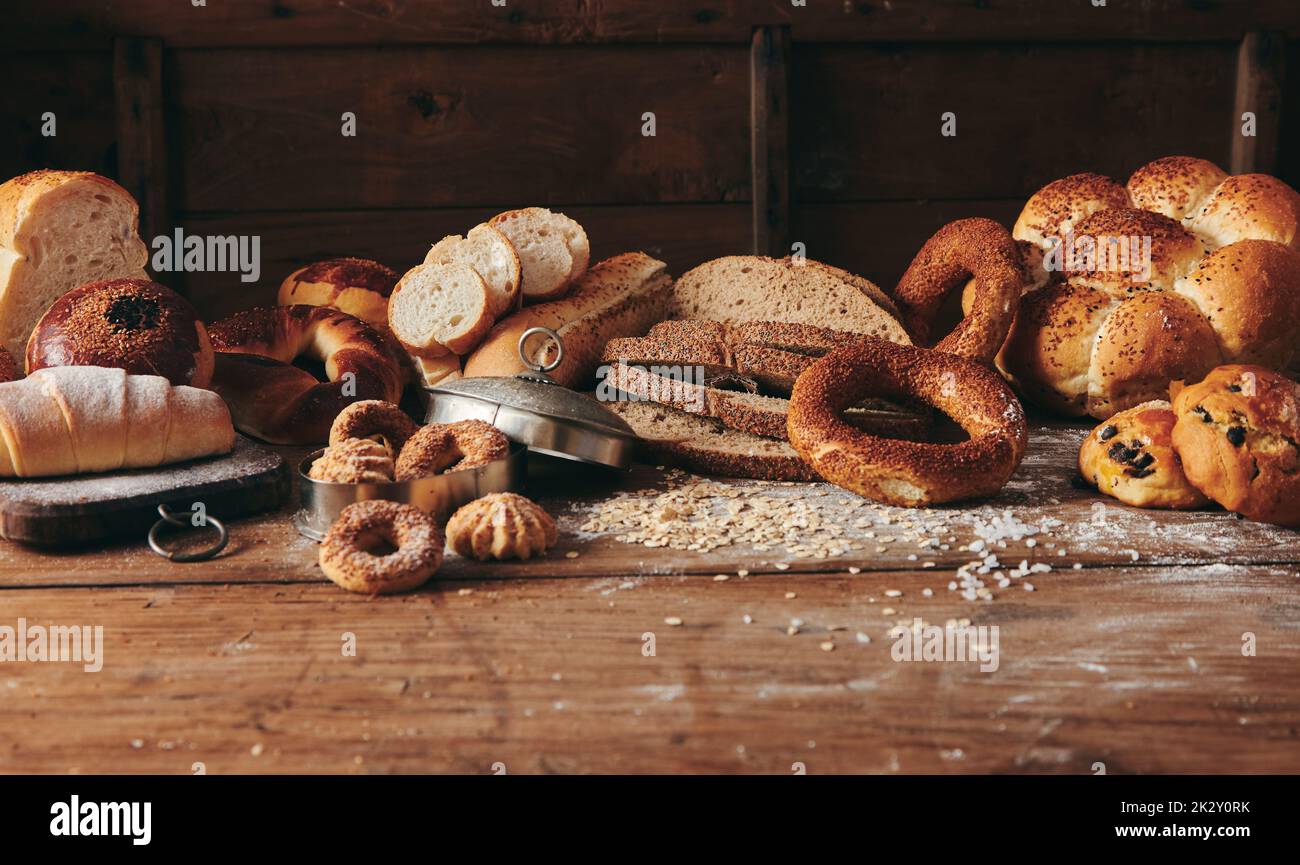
1096,335
280,403
978,251
907,473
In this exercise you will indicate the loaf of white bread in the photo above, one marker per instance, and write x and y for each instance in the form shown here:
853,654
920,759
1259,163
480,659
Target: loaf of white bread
79,419
60,230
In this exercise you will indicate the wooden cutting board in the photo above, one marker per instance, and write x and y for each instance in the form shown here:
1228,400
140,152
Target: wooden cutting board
68,511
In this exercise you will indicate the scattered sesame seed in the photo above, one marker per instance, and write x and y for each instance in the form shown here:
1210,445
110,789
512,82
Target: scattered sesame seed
673,621
827,646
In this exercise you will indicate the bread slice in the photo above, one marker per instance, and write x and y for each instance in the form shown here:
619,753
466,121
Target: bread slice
703,444
752,412
552,248
490,253
771,354
438,370
60,230
743,288
439,308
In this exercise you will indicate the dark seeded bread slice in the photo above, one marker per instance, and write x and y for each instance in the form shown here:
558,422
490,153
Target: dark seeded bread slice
703,444
749,412
742,288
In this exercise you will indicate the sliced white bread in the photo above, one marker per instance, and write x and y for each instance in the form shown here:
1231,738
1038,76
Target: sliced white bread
553,250
60,230
492,254
704,445
743,288
439,308
621,296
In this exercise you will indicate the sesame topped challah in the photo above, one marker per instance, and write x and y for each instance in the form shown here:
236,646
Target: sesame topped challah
1099,333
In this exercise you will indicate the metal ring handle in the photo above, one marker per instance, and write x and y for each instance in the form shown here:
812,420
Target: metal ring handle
223,537
541,367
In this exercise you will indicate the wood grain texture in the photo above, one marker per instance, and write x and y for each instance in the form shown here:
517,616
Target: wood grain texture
82,23
1261,67
237,664
1136,668
769,139
681,234
447,127
878,239
141,142
65,512
866,120
74,86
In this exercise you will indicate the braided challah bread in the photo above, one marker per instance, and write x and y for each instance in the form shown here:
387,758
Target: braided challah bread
1133,287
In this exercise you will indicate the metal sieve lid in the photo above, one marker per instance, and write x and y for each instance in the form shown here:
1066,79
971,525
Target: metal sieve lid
533,409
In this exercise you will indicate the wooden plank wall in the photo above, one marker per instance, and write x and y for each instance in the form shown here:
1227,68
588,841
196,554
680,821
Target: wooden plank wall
226,118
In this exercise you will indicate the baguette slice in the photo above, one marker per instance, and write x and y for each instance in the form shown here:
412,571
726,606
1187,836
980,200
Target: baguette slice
439,308
744,288
492,254
553,250
704,445
621,296
751,412
60,230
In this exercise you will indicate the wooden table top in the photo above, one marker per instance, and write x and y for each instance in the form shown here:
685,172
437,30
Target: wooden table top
1156,642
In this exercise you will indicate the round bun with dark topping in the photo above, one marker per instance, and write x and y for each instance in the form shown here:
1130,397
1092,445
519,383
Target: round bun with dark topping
1131,457
131,324
1238,436
357,286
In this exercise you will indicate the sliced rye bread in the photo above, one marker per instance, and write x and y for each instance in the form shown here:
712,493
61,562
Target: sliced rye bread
743,288
704,445
750,412
773,369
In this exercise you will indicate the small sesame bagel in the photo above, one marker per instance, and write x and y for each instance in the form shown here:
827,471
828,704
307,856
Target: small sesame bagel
907,473
353,461
353,556
440,447
968,248
374,419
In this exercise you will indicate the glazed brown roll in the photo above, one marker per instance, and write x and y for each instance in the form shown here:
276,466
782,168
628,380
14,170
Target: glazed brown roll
130,324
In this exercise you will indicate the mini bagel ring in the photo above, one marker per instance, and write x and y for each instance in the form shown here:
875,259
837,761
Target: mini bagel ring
978,248
907,473
347,554
375,419
438,447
